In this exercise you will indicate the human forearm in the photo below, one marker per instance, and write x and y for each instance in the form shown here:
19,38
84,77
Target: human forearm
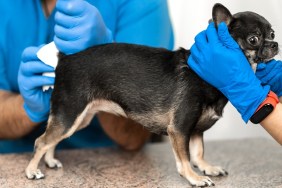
125,132
14,122
273,123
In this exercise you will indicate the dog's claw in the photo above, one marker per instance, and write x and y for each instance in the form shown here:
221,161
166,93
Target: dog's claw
34,175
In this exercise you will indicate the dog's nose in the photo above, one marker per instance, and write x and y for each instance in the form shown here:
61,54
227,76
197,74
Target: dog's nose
274,45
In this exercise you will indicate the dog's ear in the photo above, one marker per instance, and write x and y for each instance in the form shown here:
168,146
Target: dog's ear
221,14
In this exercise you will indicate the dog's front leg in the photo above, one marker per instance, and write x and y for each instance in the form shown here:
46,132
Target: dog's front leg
180,145
197,157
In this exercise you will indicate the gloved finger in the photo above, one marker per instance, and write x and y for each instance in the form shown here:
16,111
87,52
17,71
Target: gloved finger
38,81
35,67
66,20
67,34
29,54
273,64
201,40
67,47
211,34
194,65
261,66
197,54
71,7
225,37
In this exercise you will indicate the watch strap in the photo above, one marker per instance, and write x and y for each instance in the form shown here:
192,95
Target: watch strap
271,98
265,108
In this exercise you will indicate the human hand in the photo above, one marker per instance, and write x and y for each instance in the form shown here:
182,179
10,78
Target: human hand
270,73
79,25
30,79
218,59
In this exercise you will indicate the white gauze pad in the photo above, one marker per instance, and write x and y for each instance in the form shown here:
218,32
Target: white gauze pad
48,54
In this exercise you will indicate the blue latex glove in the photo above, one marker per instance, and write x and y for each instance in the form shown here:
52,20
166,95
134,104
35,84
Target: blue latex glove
30,79
218,59
270,73
79,25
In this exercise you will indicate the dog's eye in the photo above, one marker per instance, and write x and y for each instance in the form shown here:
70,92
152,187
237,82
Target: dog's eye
253,40
272,35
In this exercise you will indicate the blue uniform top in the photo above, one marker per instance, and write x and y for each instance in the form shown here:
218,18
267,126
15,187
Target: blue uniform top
23,24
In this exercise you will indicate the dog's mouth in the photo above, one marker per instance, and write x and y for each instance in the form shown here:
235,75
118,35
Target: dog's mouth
263,55
266,55
267,52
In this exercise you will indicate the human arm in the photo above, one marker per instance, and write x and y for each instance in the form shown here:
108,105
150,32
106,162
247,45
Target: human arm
14,122
20,113
217,58
273,123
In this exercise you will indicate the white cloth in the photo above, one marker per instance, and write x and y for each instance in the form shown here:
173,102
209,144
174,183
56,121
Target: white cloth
48,54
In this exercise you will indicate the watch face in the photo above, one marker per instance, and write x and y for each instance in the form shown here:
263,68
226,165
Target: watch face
262,113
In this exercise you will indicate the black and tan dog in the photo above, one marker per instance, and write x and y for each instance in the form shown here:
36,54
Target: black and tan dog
152,86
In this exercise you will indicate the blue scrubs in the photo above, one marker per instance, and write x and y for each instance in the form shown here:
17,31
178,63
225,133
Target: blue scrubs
23,24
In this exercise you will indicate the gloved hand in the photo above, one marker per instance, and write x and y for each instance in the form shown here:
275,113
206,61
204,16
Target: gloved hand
270,73
218,59
79,25
30,79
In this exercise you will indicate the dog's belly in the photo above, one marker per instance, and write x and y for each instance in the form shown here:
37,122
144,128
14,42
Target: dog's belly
153,121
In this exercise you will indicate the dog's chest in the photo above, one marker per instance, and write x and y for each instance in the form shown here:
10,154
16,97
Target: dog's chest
207,119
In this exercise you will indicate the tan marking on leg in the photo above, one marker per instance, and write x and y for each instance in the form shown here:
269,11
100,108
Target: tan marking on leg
43,143
50,159
106,106
55,133
197,157
180,150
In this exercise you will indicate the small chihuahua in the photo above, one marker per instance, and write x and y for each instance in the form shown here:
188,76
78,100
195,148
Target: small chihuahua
152,86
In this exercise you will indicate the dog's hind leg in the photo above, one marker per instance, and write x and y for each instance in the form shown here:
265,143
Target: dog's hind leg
59,128
53,134
197,157
50,159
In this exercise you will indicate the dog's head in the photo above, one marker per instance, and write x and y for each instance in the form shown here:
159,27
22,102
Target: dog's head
252,32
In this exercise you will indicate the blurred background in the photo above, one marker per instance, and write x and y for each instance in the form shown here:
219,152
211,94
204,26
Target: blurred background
190,17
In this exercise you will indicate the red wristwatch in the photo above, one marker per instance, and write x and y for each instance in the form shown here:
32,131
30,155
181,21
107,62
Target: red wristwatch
265,108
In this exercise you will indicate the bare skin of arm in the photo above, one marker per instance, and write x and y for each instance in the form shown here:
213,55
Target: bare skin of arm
273,123
125,132
14,123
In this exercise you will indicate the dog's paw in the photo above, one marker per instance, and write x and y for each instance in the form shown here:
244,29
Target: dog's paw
53,163
201,181
214,171
36,174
